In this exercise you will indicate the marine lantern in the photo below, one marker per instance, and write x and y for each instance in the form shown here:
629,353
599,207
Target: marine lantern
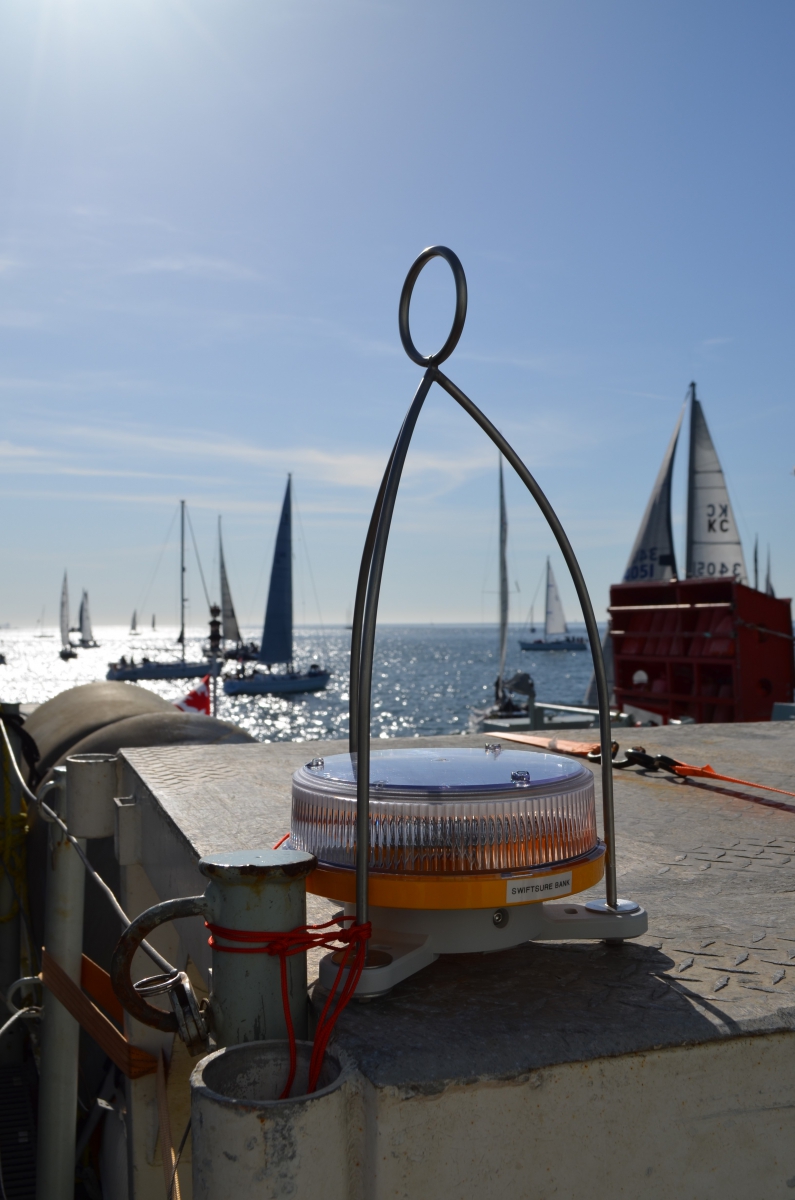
465,850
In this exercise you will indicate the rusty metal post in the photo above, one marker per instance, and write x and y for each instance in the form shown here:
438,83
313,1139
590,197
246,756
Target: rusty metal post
256,891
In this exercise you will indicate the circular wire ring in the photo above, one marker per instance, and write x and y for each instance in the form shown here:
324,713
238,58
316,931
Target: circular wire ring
460,306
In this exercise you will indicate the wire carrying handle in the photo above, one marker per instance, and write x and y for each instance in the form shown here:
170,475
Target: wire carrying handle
459,316
371,571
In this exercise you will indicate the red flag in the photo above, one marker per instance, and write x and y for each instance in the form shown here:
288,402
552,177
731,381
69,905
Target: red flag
198,700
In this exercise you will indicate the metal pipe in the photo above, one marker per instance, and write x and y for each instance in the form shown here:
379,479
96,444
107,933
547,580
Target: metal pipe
60,1039
358,612
182,575
367,643
12,840
600,674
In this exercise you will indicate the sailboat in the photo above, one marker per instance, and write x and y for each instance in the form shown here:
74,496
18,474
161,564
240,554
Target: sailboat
134,623
556,633
40,623
708,647
182,668
276,648
230,629
87,640
505,706
67,649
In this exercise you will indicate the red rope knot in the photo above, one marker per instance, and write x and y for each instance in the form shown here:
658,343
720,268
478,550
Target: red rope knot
351,941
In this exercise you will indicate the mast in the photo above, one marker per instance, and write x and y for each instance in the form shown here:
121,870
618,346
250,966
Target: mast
503,585
181,638
691,498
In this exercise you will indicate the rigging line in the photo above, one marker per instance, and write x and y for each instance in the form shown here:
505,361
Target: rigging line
198,560
311,578
140,605
535,594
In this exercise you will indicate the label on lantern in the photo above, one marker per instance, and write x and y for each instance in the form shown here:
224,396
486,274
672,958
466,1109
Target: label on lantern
523,889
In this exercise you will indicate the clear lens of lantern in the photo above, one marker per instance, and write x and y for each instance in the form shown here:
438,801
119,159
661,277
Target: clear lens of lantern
448,811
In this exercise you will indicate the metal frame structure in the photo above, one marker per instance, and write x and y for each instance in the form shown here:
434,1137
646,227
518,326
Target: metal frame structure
371,571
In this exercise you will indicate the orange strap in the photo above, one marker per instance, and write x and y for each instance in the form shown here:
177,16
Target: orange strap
97,983
585,748
553,743
708,773
133,1061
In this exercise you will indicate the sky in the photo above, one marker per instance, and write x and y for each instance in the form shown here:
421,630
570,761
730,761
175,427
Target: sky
207,210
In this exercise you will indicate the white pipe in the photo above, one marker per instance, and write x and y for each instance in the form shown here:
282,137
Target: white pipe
89,810
60,1041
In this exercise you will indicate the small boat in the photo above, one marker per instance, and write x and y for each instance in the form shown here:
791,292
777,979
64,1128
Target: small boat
87,640
134,624
505,706
556,633
179,669
67,649
276,648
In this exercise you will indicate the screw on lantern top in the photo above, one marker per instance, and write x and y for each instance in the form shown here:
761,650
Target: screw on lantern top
459,317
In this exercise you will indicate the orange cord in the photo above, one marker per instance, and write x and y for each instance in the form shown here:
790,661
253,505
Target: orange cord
298,941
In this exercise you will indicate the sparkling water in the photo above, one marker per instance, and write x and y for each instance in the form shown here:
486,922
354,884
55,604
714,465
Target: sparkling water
426,678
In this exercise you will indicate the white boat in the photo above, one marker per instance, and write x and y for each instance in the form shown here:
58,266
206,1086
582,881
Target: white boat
134,623
87,640
67,649
556,633
276,648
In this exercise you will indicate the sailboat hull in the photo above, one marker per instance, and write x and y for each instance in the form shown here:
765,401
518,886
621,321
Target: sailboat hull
262,684
563,644
155,670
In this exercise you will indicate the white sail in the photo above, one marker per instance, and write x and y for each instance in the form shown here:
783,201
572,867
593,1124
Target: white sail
230,628
714,549
555,621
86,633
65,613
652,556
134,622
503,581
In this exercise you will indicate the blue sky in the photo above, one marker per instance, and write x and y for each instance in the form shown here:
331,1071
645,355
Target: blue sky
207,211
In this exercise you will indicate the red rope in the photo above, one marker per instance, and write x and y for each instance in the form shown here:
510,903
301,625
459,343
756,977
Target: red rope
298,941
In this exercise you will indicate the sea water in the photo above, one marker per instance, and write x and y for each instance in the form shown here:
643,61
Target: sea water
426,678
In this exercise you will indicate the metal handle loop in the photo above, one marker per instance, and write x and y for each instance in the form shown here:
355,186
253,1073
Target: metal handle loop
460,306
132,1000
